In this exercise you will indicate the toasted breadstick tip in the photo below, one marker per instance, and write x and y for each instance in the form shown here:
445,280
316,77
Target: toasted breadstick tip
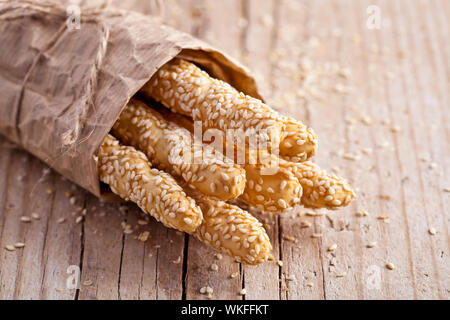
232,230
320,189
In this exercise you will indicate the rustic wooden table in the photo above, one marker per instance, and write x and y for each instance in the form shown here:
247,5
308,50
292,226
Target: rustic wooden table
379,102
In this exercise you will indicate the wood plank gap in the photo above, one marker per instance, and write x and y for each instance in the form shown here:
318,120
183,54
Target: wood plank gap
185,266
77,292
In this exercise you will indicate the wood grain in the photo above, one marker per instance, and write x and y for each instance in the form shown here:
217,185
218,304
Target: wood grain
378,100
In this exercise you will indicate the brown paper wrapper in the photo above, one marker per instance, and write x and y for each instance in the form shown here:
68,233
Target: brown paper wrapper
62,89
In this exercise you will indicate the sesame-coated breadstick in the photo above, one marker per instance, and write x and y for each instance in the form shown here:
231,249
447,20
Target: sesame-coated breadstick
231,230
186,89
274,192
170,147
320,189
129,174
270,192
294,146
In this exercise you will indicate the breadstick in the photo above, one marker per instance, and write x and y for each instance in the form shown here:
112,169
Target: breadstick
231,230
170,147
273,192
294,146
129,174
186,89
320,189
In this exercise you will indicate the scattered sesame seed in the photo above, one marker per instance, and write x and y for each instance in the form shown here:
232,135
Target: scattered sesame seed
341,275
333,247
432,231
447,189
61,220
10,248
35,216
289,238
78,219
142,222
218,256
214,267
306,224
316,235
143,237
280,263
363,213
234,275
243,292
25,219
371,244
177,261
390,266
87,283
19,245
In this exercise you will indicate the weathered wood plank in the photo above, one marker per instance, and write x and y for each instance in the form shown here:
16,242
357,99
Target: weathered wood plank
151,269
259,37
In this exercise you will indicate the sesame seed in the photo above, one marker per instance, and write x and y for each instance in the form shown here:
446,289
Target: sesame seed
282,203
10,248
243,292
87,283
333,247
390,266
371,244
363,213
143,237
432,231
214,267
25,219
306,224
142,222
35,216
19,245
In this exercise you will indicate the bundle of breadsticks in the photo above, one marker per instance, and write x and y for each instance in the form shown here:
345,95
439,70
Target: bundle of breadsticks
154,157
